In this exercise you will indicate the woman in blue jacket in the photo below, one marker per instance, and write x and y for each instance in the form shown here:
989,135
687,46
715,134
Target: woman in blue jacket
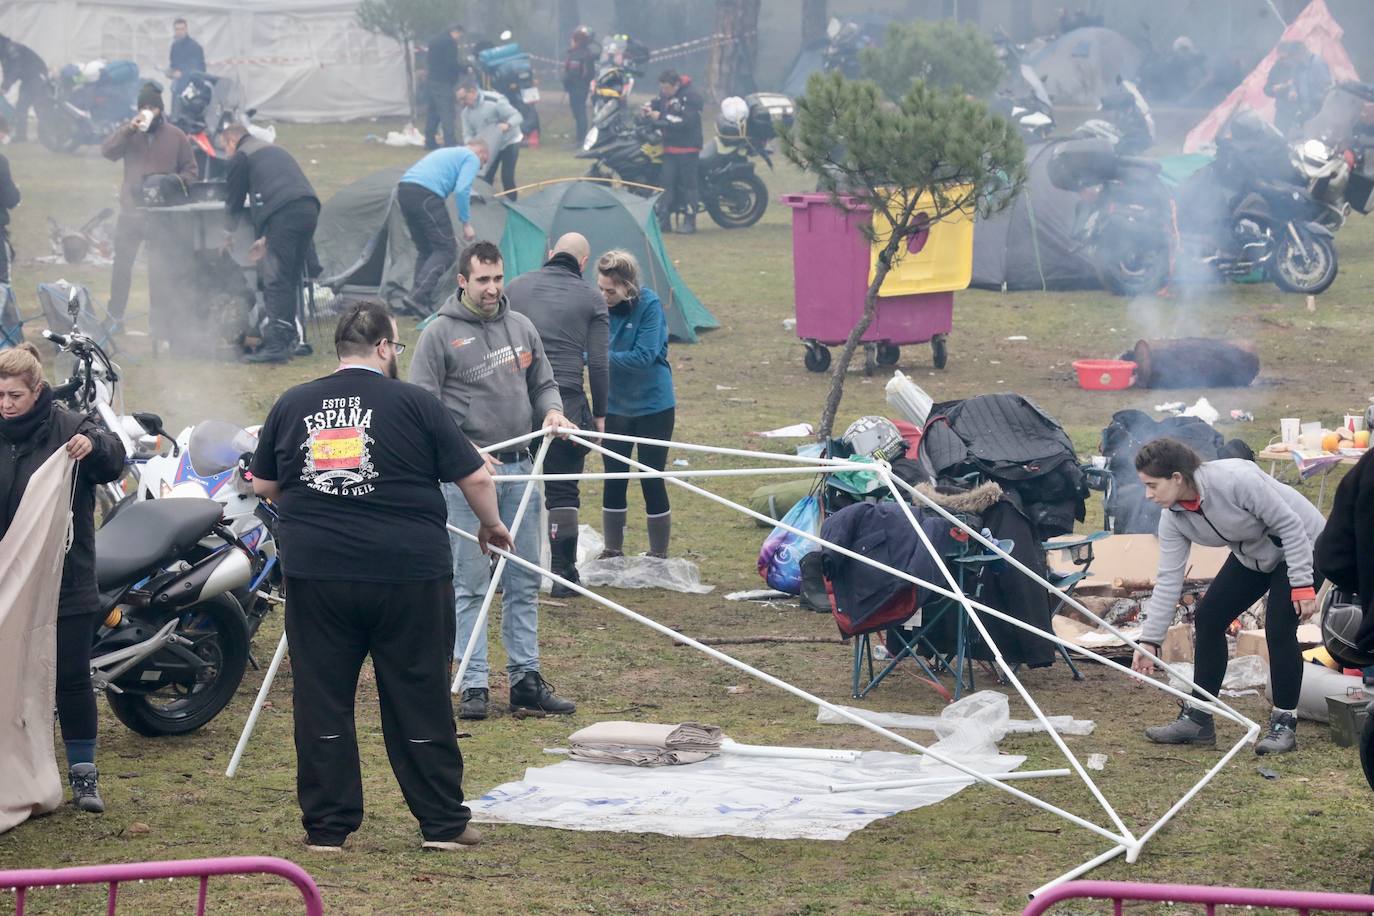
641,401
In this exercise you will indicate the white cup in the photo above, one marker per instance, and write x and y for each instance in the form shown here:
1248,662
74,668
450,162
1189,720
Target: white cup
1288,430
1353,422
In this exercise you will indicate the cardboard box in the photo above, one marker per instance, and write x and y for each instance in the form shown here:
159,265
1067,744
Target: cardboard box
1178,644
1252,642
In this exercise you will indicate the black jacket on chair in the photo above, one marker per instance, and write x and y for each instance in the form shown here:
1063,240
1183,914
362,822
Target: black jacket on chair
18,462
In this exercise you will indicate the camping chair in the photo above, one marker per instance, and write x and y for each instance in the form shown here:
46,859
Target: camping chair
1080,553
916,643
11,323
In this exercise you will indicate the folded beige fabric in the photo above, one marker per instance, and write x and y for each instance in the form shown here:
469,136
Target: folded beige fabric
645,744
635,756
686,736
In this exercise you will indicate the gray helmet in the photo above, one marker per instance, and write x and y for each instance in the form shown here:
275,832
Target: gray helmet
1341,619
876,437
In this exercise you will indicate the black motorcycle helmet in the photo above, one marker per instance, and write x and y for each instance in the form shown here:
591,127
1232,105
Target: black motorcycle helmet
1341,619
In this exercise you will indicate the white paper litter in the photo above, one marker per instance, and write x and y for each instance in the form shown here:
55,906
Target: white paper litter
1065,725
1202,409
1246,676
769,798
795,431
1097,761
675,573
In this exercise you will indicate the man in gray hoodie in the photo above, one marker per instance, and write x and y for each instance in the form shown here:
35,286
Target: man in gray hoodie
488,367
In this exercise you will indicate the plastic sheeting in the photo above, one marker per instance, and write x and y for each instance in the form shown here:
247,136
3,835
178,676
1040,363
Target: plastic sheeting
299,60
1065,725
1246,676
768,798
31,555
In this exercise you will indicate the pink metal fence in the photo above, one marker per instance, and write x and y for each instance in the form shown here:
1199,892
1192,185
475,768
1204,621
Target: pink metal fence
1119,892
21,880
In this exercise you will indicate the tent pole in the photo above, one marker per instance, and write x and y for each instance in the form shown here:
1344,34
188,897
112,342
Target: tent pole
480,625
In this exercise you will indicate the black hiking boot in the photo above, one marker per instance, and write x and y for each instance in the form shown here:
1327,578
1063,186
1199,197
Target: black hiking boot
1282,737
473,704
534,694
1191,727
564,563
278,346
85,782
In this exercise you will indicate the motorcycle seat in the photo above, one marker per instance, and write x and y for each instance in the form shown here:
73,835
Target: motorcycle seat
1140,163
147,534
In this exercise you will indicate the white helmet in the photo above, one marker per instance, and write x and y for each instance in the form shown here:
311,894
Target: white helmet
876,437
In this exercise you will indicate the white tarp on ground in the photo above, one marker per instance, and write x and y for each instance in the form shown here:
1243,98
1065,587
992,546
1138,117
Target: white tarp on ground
31,556
765,797
299,60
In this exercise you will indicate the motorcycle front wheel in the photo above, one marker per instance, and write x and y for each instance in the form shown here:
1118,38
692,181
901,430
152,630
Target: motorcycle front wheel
737,202
219,638
1134,273
57,132
1309,270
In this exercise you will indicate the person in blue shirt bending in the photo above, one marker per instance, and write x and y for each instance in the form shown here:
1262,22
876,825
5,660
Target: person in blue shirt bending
641,401
421,194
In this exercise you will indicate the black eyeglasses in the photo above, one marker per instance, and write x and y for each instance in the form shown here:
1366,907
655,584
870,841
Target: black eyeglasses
395,345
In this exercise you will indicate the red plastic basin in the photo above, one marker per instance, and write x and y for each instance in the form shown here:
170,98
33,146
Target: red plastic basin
1104,374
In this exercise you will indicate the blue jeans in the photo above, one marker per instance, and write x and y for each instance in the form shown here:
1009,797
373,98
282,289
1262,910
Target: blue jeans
520,587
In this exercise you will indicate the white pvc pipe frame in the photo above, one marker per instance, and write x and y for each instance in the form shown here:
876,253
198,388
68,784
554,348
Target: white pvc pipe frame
1123,840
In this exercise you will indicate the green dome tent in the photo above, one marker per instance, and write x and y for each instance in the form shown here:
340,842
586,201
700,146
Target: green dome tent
366,250
609,218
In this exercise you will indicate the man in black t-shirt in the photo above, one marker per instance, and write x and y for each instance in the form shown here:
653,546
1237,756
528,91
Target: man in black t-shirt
353,462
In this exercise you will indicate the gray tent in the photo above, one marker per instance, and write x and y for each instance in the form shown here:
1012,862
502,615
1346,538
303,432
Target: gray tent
363,243
1081,66
1030,244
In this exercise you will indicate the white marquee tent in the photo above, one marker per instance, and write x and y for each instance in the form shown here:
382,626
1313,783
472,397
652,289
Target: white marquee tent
299,60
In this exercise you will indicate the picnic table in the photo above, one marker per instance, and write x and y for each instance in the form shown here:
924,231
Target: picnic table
1324,465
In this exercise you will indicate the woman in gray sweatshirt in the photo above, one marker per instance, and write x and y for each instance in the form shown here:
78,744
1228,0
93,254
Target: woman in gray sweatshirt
1269,528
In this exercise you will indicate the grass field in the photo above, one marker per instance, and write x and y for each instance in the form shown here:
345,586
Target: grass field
978,852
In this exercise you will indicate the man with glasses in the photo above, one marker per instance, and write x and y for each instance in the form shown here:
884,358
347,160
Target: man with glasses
353,462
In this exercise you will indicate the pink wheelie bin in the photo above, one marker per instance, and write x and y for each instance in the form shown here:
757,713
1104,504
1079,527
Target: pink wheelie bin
832,263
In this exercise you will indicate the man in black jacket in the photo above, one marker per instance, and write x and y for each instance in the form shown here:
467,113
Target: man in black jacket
265,182
9,199
677,110
570,316
187,56
445,67
21,64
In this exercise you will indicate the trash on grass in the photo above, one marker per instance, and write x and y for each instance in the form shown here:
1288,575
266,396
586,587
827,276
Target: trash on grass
1242,416
1097,761
795,431
1245,676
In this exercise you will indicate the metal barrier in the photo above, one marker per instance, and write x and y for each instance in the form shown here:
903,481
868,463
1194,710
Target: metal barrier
21,880
1118,892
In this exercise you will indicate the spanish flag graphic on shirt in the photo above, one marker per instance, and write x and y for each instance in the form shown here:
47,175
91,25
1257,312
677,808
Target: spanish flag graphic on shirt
338,449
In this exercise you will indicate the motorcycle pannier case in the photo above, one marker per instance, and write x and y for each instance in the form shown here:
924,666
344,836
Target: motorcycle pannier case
1359,192
1081,164
766,111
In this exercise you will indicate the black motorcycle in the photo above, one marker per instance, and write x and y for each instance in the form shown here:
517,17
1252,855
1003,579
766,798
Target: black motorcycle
72,114
174,642
731,191
507,69
1231,222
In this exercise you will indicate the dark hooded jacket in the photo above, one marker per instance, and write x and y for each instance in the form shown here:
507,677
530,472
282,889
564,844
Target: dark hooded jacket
26,442
680,118
1344,552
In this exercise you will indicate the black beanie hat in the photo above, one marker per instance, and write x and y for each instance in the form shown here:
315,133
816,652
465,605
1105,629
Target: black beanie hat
150,96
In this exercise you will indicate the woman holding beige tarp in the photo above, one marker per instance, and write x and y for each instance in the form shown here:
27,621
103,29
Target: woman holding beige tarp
32,427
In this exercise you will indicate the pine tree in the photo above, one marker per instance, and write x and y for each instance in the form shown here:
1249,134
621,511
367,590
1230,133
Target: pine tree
933,155
943,53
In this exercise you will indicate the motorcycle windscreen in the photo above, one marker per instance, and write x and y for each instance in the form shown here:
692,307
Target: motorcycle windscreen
216,445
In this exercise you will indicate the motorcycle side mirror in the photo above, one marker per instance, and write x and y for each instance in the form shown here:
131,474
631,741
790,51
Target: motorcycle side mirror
73,303
151,423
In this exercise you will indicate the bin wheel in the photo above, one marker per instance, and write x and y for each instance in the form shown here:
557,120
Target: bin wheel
817,358
888,354
939,350
870,358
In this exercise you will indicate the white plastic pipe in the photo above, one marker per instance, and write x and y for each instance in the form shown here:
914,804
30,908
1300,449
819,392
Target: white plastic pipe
253,713
1079,870
795,691
734,748
939,780
480,625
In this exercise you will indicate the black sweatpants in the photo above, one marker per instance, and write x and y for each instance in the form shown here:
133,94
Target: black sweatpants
651,426
75,697
431,229
128,238
564,457
288,233
679,178
506,159
408,628
439,112
1235,588
577,101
